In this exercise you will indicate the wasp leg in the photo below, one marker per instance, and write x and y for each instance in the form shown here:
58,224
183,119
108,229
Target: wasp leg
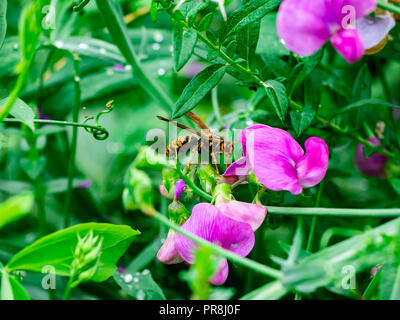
215,161
192,153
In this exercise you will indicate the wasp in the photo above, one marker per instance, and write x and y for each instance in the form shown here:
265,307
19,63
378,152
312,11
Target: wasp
201,142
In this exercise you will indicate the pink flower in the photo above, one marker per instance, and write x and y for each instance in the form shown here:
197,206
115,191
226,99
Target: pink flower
373,166
179,188
230,224
168,253
211,224
278,161
250,213
305,26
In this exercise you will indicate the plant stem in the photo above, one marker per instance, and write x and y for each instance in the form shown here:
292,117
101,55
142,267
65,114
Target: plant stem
192,185
333,212
62,123
118,32
388,6
314,219
253,265
74,140
237,183
68,289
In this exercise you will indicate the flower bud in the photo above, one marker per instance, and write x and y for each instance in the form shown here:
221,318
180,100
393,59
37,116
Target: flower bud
177,212
207,177
138,193
148,158
373,166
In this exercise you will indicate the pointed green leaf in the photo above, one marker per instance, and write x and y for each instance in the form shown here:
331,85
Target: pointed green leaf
184,42
3,21
197,88
276,93
301,120
21,111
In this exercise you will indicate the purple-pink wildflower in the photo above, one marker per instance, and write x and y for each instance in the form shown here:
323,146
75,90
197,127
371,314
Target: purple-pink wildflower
278,161
305,26
211,224
229,224
373,166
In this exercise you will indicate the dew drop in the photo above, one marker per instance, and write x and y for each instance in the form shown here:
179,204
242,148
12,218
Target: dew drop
128,278
282,41
158,37
145,272
136,279
161,71
140,295
128,67
15,47
102,51
83,46
59,44
156,46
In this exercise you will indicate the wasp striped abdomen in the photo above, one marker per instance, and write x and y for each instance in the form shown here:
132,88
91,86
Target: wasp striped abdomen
183,143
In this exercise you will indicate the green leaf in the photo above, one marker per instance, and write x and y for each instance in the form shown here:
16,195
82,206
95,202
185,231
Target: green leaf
15,208
60,185
302,70
276,93
91,47
247,39
57,248
3,21
197,88
363,85
11,289
395,182
21,111
324,268
33,168
271,291
139,285
269,42
184,43
301,120
389,286
366,103
252,11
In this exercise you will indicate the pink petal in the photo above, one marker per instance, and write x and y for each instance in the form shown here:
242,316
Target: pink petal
250,213
273,155
243,134
373,30
240,168
168,253
312,167
209,223
302,25
220,276
179,188
349,44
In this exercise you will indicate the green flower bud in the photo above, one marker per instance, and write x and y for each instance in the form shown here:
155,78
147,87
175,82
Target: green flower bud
138,194
148,158
177,212
207,176
170,177
253,179
223,190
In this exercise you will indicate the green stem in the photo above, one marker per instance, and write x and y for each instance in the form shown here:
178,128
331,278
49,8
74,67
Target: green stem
68,289
253,265
192,185
314,219
74,140
17,88
118,32
388,6
334,212
215,104
63,123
